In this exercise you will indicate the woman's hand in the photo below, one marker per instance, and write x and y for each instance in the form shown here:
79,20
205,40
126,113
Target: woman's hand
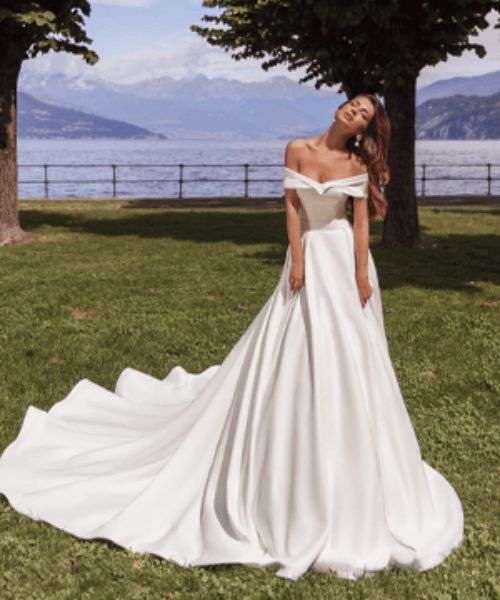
365,290
297,278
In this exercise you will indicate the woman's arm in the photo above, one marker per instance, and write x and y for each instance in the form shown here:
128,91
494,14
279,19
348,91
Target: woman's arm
293,228
361,231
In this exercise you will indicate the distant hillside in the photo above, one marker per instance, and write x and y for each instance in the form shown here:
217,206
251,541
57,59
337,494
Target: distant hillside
37,119
195,107
476,85
459,118
199,107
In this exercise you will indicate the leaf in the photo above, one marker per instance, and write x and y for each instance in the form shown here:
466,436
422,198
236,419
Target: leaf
5,13
82,314
428,373
38,18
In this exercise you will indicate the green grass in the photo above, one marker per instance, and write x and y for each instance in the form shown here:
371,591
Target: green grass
107,287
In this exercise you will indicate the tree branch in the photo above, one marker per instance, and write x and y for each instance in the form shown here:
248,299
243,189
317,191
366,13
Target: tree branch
62,6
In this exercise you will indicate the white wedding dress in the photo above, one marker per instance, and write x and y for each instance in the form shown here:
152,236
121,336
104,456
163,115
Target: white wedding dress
296,452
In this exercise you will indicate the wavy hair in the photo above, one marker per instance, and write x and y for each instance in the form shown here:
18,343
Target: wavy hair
372,151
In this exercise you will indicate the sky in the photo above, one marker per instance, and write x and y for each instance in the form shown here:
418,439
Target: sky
147,39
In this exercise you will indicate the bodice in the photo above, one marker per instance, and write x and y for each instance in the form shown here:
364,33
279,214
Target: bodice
322,203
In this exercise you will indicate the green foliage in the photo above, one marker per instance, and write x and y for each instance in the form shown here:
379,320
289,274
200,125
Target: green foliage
360,45
108,288
31,28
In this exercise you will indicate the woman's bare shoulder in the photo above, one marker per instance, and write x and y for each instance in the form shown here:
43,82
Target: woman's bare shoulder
292,151
296,145
358,167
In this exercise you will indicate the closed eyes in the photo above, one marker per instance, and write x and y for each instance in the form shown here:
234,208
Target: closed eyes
363,110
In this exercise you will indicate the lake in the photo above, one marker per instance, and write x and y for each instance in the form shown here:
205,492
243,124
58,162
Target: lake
144,167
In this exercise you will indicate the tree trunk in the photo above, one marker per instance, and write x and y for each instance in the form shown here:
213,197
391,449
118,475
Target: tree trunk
401,227
10,229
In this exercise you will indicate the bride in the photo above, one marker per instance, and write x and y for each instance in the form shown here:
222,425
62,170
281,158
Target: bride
297,451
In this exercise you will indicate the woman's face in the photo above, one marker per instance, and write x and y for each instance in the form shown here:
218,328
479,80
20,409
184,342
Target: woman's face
356,114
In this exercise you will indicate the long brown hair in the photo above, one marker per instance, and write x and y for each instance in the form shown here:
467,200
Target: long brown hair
372,151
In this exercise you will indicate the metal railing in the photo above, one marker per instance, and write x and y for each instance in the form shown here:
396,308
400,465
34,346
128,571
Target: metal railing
114,180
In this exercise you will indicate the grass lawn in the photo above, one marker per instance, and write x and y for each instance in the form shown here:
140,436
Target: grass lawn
107,287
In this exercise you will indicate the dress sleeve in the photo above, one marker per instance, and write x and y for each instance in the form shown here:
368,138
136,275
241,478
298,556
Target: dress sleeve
291,183
359,191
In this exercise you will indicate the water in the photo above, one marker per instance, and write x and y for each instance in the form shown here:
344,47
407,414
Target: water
95,178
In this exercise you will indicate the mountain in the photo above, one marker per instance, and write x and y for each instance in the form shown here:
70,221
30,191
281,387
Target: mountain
195,107
459,118
198,107
37,119
478,85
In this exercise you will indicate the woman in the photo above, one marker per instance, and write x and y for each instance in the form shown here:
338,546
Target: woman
297,451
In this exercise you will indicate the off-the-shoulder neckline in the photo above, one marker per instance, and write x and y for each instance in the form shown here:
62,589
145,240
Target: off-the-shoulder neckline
361,175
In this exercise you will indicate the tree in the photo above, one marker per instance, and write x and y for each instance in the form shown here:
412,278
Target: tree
377,46
27,29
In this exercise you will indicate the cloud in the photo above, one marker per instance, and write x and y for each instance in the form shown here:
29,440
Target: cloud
182,55
57,62
127,3
185,54
468,64
178,56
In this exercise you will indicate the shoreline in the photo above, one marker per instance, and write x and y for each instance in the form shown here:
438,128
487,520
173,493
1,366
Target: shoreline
230,202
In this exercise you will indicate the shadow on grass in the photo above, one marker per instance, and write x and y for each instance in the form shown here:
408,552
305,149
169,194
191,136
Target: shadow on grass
242,228
451,261
467,210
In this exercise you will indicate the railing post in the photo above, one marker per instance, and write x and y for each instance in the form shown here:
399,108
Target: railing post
245,179
114,180
46,180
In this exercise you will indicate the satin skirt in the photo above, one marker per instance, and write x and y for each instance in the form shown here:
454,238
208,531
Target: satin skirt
296,452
